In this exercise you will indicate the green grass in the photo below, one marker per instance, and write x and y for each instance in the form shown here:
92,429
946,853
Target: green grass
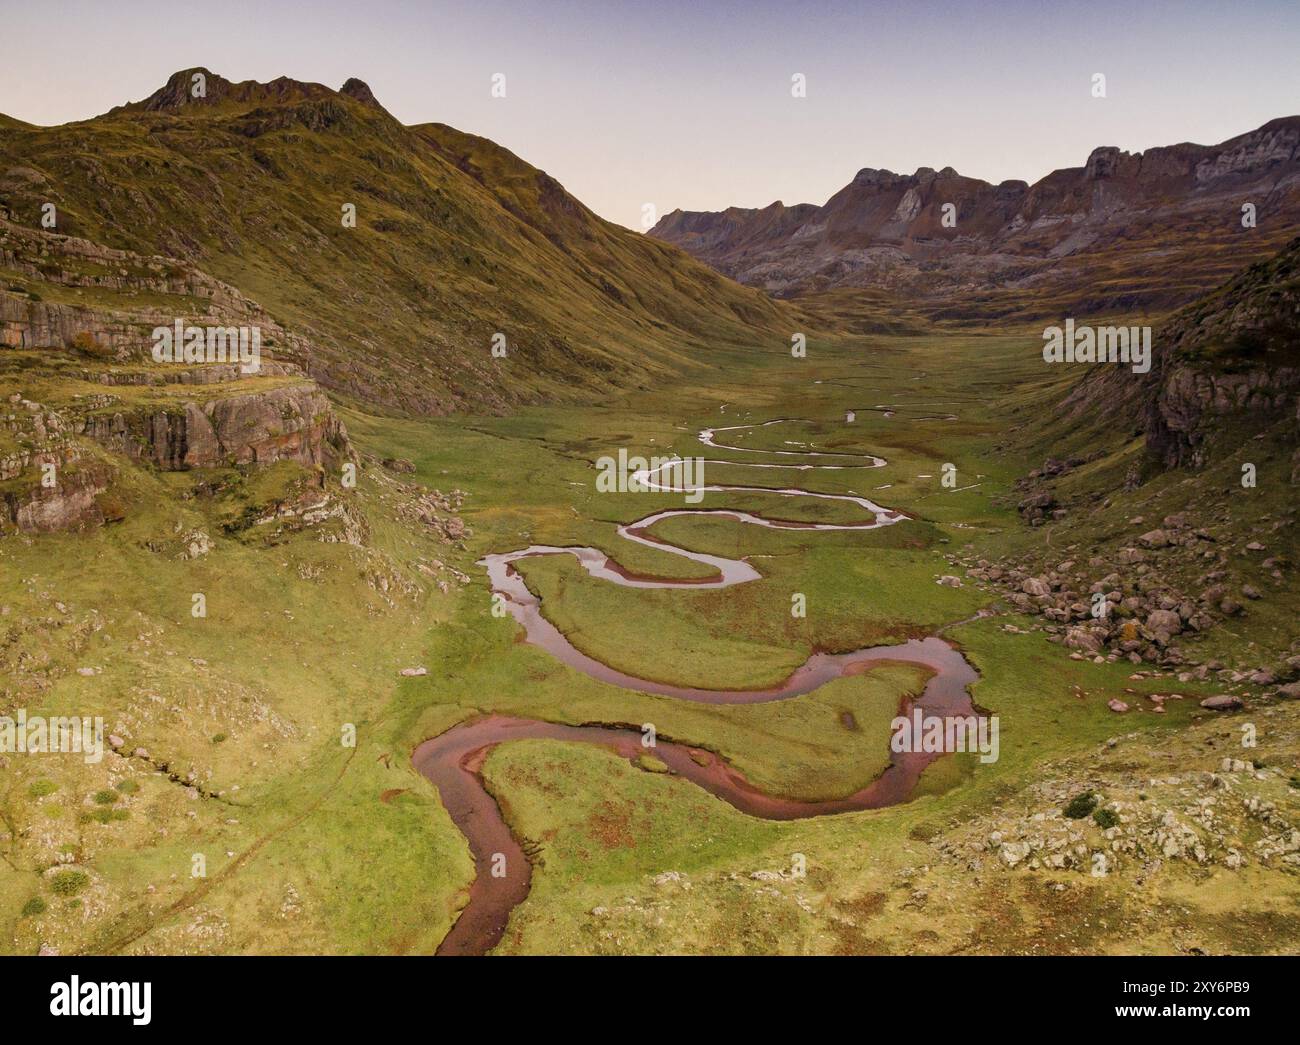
304,636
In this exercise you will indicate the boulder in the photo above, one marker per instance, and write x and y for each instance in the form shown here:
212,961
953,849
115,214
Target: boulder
1166,623
1083,639
1226,702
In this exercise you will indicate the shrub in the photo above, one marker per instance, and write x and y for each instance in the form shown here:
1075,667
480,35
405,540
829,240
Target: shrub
218,738
69,883
1106,818
103,815
105,797
127,787
84,342
33,907
112,505
41,788
1080,805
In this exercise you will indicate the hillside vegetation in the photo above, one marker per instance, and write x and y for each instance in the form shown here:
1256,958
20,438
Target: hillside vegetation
455,240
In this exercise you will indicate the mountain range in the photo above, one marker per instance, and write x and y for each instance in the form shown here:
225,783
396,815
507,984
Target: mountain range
267,583
1126,231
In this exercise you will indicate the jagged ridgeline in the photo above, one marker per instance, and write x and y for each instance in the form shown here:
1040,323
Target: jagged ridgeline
233,194
1144,232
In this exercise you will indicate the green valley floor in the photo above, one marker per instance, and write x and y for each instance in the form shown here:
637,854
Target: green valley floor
309,842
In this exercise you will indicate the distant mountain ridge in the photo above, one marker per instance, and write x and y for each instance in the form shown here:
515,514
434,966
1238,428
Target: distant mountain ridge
1146,230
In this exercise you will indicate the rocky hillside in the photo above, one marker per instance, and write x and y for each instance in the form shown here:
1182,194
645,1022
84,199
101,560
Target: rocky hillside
253,186
1232,361
83,395
1164,520
1224,369
1145,231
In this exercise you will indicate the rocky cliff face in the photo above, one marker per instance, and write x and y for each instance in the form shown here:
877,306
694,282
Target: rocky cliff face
1191,403
259,428
1233,359
58,288
73,504
235,424
81,388
1102,236
1223,369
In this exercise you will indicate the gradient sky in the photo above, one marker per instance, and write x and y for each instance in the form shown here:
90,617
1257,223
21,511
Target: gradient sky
688,104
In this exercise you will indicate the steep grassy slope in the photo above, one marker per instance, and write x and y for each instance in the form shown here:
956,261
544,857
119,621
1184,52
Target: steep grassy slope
456,240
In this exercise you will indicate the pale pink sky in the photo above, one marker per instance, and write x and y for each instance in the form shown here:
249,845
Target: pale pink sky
688,104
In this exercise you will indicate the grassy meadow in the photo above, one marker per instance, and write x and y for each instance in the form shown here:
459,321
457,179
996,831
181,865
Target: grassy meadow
314,845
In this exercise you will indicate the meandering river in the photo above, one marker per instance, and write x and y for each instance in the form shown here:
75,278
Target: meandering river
453,760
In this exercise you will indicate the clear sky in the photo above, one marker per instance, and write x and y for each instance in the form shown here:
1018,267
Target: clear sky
688,104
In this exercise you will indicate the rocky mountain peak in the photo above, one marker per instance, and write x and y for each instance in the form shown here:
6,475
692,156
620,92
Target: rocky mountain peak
874,177
200,86
1120,212
1103,162
360,91
186,86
